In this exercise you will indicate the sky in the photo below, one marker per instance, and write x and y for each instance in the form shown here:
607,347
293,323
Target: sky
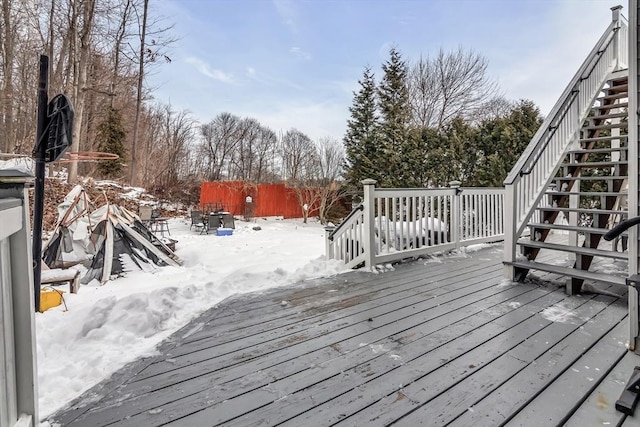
296,63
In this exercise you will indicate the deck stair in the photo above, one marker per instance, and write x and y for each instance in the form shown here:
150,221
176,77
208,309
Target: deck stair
585,199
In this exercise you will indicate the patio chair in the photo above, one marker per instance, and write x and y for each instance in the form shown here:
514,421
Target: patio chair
145,214
197,221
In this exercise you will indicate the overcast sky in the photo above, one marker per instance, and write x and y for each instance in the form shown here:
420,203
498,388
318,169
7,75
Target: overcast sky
296,63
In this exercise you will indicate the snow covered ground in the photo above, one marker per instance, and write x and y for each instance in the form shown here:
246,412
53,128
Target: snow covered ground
105,327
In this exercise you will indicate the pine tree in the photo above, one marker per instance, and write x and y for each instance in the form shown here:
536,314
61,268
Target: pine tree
502,140
111,136
361,138
395,115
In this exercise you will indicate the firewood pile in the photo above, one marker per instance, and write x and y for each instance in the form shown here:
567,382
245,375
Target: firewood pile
55,191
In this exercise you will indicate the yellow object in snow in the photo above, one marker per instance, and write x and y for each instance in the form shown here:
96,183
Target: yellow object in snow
49,298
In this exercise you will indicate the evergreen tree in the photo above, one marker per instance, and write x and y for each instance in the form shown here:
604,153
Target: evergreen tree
360,140
502,140
110,137
395,115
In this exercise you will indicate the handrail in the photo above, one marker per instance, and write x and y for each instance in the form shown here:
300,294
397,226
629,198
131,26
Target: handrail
535,146
345,221
566,105
550,135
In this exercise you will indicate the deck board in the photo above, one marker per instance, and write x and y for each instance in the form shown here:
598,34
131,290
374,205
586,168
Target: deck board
437,342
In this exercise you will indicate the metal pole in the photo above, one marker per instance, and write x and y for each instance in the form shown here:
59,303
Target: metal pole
38,198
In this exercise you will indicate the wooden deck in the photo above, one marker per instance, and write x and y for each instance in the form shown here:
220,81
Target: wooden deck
437,342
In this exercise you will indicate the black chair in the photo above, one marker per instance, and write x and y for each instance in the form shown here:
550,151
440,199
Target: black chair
197,221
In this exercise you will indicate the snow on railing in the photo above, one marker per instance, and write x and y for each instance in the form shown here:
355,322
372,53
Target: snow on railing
534,171
397,223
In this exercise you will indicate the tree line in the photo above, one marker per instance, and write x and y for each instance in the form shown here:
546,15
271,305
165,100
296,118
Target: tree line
100,52
436,120
424,123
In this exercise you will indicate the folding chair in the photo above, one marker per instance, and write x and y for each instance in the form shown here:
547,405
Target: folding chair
145,214
197,221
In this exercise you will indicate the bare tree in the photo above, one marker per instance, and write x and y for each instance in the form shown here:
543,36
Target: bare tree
7,45
331,161
177,134
221,137
265,153
81,58
449,85
299,156
300,167
143,31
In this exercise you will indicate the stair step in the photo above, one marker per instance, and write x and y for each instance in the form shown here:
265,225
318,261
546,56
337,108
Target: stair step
617,88
598,150
613,96
570,272
573,249
577,228
611,106
591,178
583,193
583,210
603,138
621,125
591,165
609,116
619,76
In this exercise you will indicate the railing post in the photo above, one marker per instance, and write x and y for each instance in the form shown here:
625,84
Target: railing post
615,17
328,244
509,215
456,213
369,241
634,171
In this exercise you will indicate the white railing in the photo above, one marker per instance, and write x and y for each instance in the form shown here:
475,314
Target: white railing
18,377
397,223
345,242
534,171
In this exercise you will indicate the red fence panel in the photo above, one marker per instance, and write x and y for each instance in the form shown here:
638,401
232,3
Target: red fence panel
267,199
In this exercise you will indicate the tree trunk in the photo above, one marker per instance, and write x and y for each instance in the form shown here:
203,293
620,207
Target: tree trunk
7,138
132,166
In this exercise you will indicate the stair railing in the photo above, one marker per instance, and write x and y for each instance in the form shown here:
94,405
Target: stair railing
534,171
345,242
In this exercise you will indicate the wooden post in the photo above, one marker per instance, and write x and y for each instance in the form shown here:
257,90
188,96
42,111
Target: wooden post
456,213
328,245
369,241
633,156
509,252
615,17
18,367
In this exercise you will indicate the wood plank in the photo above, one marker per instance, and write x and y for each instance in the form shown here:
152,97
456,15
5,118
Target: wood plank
362,373
381,378
599,407
555,403
348,318
464,381
331,300
499,406
300,304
